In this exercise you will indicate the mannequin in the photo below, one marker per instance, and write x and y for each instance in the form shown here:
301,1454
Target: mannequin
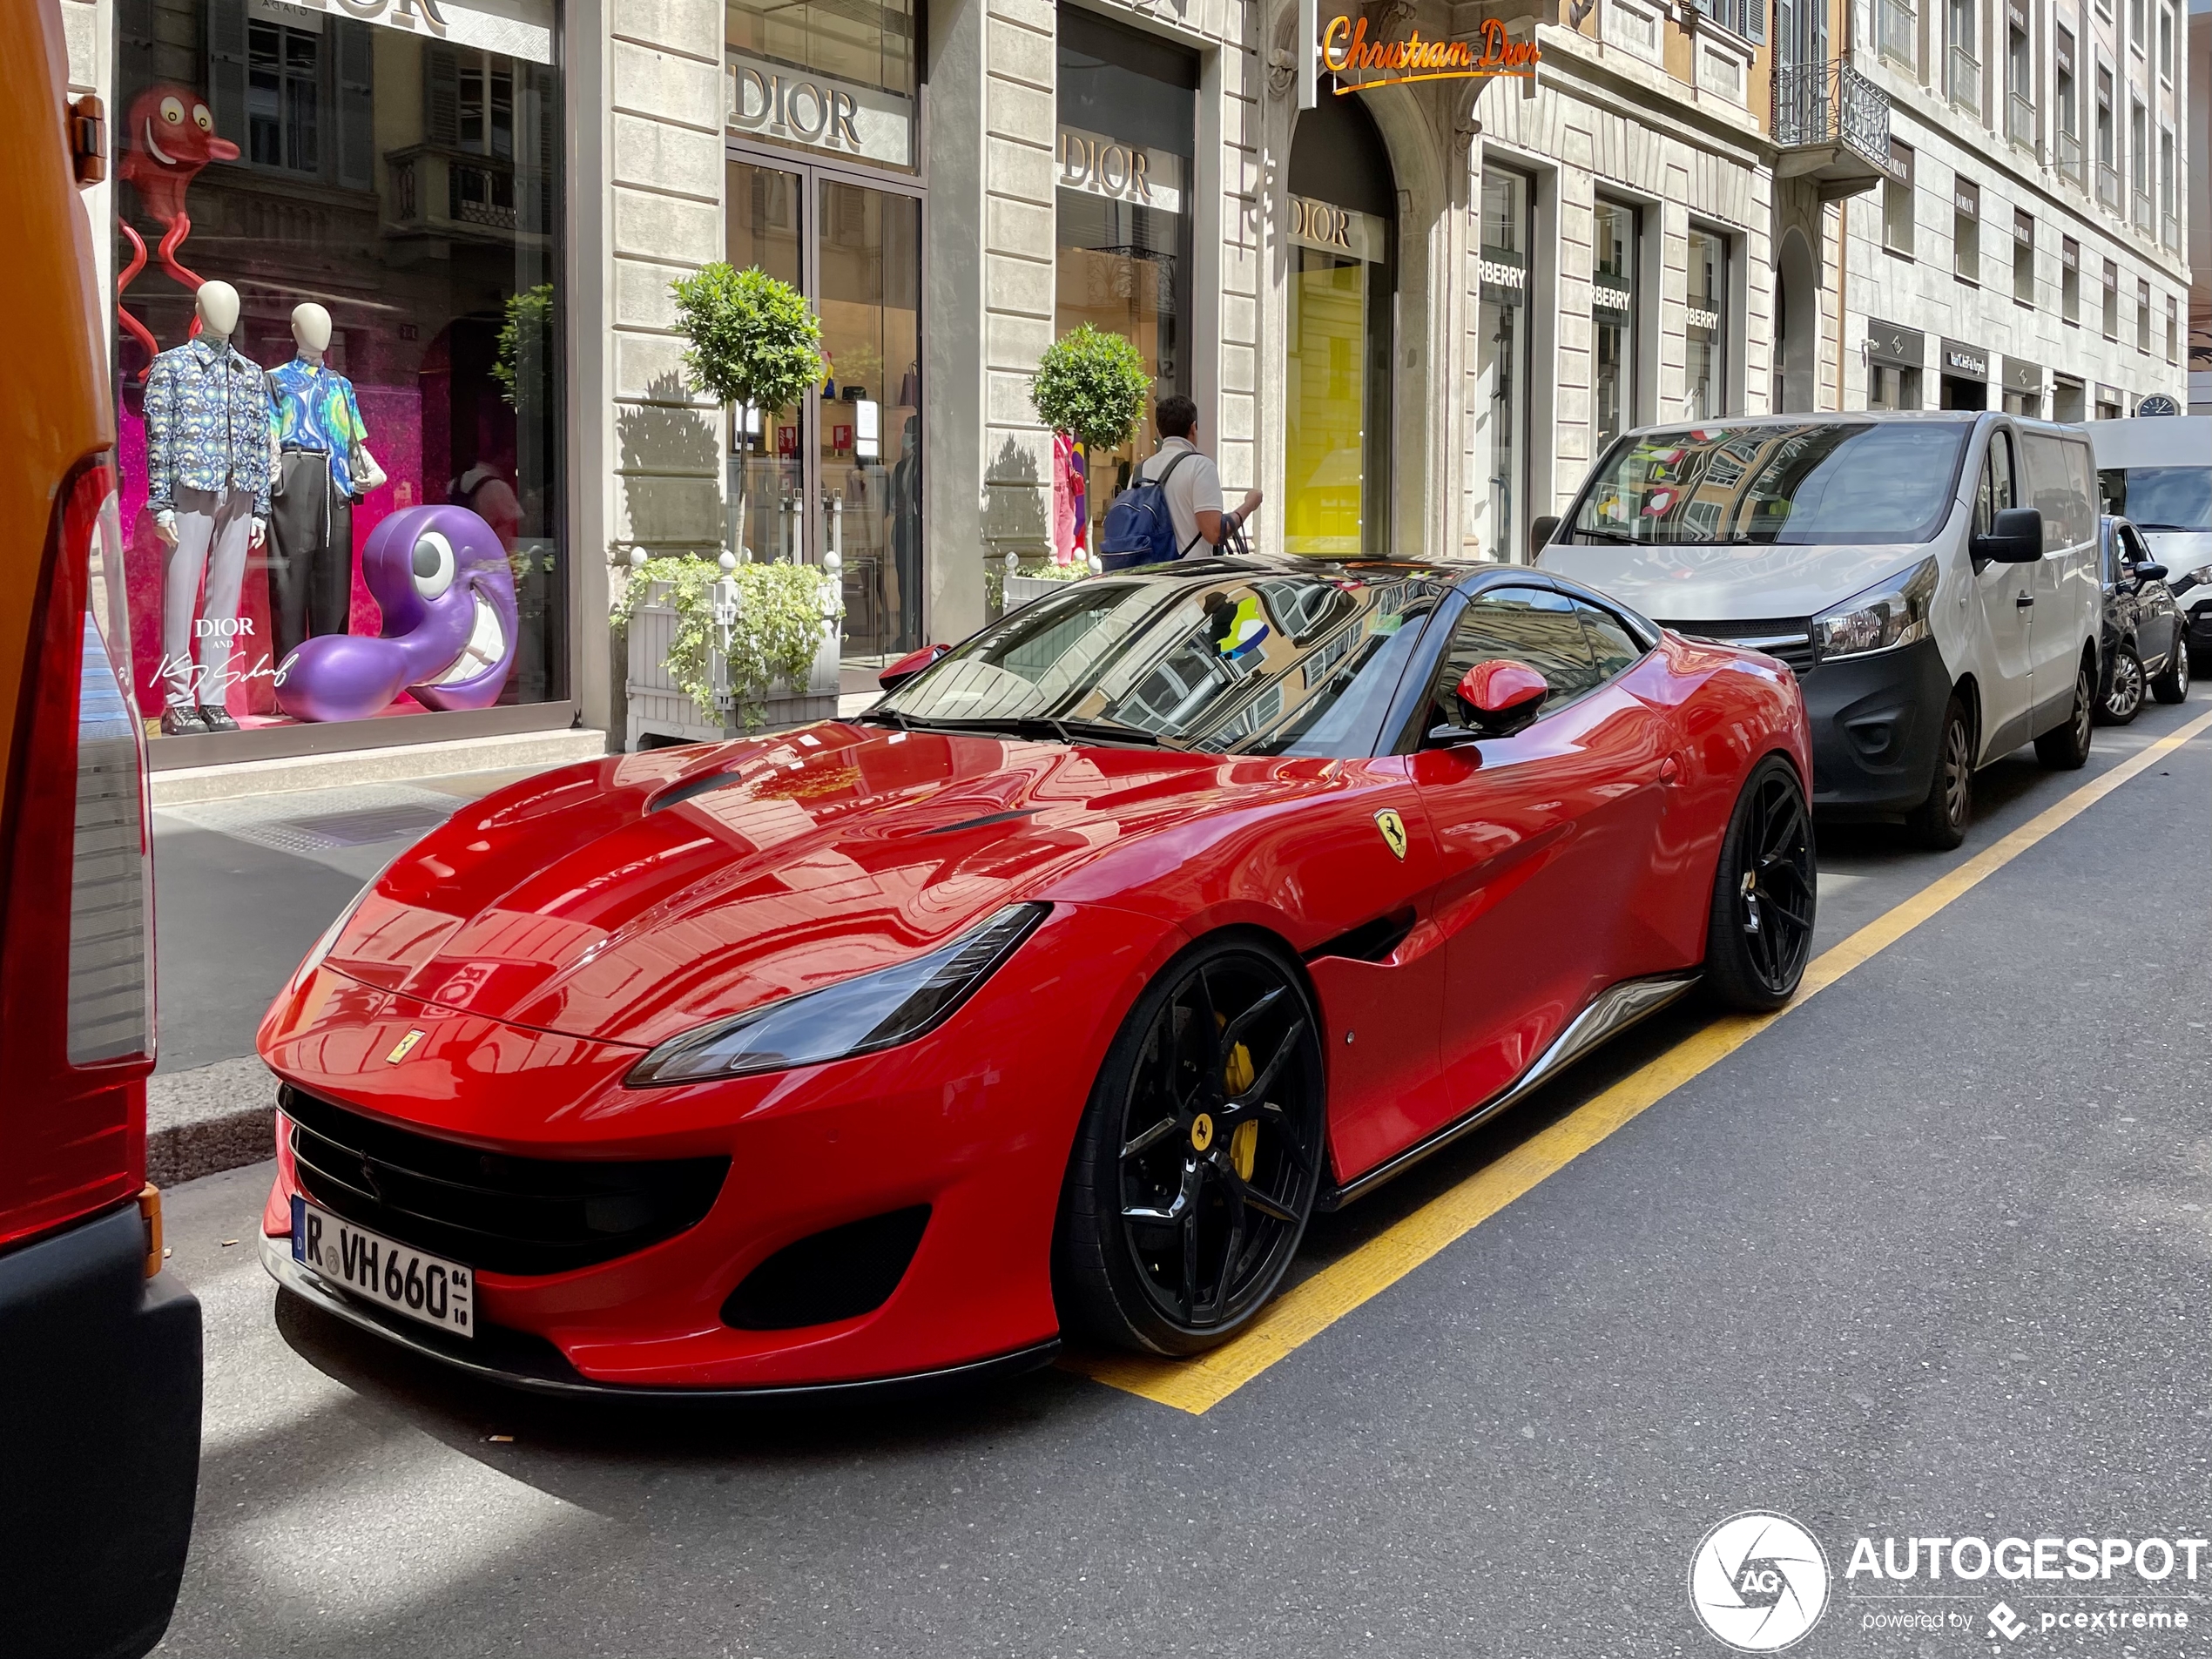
207,487
322,467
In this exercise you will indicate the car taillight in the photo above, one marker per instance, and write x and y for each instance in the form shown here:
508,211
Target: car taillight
77,1026
110,867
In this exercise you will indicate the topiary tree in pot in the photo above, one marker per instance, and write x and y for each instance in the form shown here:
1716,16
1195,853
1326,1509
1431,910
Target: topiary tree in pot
1093,385
753,343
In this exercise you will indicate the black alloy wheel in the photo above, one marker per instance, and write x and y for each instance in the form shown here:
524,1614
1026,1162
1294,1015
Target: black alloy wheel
1939,821
1200,1154
2123,697
2066,747
2172,685
1765,895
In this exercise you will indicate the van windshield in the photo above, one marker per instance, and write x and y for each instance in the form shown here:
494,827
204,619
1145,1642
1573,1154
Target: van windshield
1820,483
2159,498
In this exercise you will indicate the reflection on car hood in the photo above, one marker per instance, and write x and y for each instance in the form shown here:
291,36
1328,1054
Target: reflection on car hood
640,896
1731,584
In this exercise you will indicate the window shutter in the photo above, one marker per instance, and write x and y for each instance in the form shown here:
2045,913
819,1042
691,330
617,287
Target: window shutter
355,66
441,95
227,69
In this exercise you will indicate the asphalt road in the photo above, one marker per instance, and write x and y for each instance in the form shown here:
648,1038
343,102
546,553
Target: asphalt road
1925,1256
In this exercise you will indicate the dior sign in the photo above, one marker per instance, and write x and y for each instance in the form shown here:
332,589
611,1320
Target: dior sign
1097,166
515,28
797,106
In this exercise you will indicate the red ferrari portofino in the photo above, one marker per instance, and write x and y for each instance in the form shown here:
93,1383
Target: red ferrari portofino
1054,992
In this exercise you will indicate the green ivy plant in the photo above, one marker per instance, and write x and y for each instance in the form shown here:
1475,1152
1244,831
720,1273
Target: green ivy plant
777,631
1092,386
525,338
752,340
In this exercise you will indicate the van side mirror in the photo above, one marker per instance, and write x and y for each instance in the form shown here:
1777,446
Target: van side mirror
1499,698
909,666
1539,535
2015,538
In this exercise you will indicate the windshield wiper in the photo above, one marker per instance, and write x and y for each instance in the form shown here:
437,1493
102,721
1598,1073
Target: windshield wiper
1619,537
2186,530
1070,733
888,717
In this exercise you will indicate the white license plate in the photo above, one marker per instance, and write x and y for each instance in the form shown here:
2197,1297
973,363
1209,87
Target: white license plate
390,1274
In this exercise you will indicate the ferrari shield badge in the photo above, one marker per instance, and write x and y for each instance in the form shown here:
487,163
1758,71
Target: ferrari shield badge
405,1046
1394,832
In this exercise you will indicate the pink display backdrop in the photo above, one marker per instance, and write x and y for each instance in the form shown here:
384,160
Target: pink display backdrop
393,415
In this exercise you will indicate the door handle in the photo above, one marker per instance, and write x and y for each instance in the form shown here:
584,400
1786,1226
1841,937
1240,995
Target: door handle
1669,770
2024,601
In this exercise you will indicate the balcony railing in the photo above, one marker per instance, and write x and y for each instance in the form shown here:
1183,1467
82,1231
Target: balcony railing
1965,78
2070,156
2108,185
1899,29
1839,124
2019,121
439,187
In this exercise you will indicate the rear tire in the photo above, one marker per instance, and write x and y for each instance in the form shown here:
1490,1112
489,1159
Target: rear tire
2067,748
1938,823
1758,934
2173,684
1199,1156
2123,697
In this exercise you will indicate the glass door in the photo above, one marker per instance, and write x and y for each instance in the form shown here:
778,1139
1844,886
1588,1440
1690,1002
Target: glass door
837,476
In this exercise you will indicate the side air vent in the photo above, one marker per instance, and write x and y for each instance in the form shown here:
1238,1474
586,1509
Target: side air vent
840,1273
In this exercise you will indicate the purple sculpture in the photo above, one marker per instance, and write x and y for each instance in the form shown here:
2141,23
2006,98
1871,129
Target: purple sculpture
449,627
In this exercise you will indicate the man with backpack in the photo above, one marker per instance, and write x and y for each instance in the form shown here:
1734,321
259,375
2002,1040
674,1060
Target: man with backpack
1173,503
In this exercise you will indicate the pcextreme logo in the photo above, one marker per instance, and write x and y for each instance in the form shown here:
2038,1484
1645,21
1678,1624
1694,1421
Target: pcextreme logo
1759,1581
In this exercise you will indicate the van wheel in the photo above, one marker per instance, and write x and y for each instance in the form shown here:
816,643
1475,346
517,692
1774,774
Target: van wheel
2173,685
2123,697
2067,748
1938,823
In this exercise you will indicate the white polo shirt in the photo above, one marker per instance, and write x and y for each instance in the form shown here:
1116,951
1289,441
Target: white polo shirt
1195,489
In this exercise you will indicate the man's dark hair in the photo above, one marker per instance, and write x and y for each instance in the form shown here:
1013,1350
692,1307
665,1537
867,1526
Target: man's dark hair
1175,416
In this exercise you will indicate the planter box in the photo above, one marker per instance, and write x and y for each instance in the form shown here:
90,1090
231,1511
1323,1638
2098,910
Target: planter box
659,714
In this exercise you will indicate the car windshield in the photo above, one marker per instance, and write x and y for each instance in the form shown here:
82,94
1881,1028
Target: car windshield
1221,655
2159,498
1815,484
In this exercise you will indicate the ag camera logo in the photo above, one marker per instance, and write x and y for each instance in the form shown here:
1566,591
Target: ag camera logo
1759,1581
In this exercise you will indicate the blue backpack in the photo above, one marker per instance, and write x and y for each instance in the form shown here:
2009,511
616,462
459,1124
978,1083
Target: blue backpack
1139,529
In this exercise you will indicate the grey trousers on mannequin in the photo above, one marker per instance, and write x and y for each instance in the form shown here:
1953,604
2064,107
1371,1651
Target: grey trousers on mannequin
212,528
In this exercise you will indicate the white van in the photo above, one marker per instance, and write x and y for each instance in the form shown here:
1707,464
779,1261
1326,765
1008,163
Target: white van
1932,579
2157,471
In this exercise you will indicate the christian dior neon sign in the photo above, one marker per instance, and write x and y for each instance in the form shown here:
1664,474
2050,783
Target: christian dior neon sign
1347,50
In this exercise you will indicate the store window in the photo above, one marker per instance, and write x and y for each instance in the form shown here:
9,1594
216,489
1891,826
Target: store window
1966,230
1617,231
1341,233
1123,157
1502,361
1705,368
342,456
1897,200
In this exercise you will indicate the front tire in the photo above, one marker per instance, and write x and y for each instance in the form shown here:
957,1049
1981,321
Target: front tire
1199,1156
1758,934
2123,697
1938,823
2172,685
2066,749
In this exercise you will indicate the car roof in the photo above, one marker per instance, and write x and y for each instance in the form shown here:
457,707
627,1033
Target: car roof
1449,572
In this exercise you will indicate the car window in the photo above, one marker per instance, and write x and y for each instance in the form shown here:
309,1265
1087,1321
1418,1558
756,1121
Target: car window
2132,550
1995,492
2113,556
1615,649
2050,481
1531,625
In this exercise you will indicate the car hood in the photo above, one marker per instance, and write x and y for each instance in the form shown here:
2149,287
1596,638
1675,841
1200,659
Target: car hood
2180,551
635,898
1673,584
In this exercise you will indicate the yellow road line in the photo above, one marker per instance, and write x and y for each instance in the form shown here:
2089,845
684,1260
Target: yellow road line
1306,1310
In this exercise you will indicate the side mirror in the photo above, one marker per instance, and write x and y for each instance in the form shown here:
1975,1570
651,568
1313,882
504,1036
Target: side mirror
909,666
1539,535
2150,573
1499,698
2015,538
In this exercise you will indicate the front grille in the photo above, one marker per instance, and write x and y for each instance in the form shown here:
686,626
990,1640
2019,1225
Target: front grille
1789,638
493,1212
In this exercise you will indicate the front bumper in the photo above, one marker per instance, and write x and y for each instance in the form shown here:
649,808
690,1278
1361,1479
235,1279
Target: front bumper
515,1360
99,1437
2200,627
1875,722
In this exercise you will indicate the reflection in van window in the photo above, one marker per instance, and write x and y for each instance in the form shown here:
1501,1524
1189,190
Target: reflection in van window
2159,498
1815,484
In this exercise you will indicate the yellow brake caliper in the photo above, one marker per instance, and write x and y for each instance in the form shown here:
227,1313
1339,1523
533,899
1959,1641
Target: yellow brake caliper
1243,1141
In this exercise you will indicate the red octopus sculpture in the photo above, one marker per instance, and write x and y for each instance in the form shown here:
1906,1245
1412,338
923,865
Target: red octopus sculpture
170,137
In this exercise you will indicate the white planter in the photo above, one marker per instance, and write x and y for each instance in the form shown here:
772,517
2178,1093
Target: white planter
660,714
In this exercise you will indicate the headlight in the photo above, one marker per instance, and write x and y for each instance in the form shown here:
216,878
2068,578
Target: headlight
859,1015
2195,578
1894,614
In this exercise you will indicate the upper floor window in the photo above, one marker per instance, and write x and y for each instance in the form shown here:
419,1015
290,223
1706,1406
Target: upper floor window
283,96
1897,201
